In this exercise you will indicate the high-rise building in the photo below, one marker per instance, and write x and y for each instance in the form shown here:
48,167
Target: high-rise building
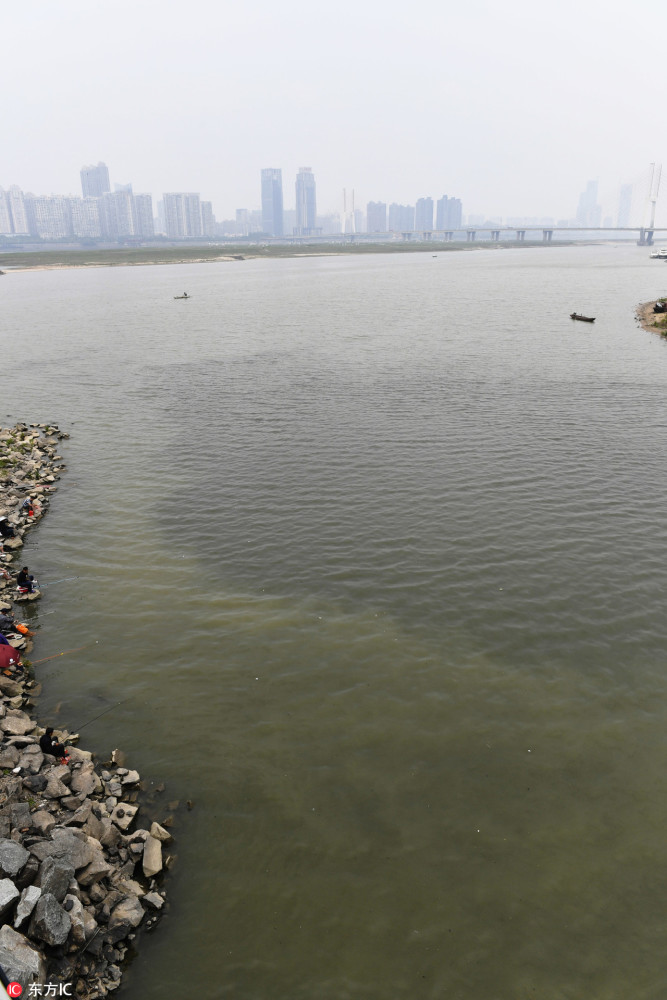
49,217
272,201
85,213
17,211
207,219
589,213
142,215
306,203
401,218
95,180
116,215
5,215
449,213
424,215
182,215
625,205
376,217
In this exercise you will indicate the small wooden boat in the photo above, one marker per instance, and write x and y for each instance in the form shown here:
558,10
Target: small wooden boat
584,319
183,296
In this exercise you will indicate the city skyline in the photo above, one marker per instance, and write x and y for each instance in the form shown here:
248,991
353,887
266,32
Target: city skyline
182,215
388,99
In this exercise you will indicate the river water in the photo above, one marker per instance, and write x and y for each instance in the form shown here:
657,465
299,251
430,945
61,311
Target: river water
373,549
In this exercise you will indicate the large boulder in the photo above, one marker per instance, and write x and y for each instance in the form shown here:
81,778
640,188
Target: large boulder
12,858
20,960
126,916
72,845
50,923
8,895
152,860
26,905
55,875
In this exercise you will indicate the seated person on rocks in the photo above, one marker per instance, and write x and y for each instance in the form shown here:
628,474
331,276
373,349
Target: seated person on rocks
6,530
24,581
47,744
7,623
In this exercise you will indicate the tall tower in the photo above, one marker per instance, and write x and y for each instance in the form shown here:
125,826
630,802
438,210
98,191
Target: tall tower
306,205
272,201
348,220
424,215
95,181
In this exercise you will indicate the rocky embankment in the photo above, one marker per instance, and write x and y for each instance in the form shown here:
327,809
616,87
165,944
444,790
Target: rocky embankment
77,879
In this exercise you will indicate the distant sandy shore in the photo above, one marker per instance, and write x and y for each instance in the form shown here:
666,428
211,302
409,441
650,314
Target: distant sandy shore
655,322
59,260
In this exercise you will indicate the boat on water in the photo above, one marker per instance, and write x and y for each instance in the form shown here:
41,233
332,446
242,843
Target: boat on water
660,254
584,319
183,296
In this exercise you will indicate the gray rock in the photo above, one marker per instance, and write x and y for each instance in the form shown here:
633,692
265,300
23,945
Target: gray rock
123,815
20,816
8,895
49,923
9,757
85,781
17,723
54,876
95,871
12,857
152,862
43,822
31,759
160,833
126,916
72,845
26,904
82,813
19,958
35,782
77,915
153,900
55,788
131,778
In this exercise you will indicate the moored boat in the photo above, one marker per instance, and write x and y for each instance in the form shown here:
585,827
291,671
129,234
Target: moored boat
584,319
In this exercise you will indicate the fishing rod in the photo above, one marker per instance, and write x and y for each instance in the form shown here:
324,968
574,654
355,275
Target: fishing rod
105,712
65,579
77,649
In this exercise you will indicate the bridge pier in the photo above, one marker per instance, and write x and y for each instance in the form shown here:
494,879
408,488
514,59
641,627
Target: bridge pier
471,235
406,236
449,235
521,235
645,238
547,235
495,235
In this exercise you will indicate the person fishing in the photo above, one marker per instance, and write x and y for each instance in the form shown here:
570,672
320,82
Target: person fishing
24,581
48,745
6,530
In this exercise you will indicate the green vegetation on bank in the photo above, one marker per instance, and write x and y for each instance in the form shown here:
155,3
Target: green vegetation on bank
191,253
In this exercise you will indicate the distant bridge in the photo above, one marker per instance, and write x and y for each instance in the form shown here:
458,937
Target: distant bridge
493,233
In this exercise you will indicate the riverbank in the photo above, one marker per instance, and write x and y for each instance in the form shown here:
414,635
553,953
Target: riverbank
650,320
134,256
79,874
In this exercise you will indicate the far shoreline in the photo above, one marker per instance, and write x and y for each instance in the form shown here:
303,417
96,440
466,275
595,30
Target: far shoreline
57,260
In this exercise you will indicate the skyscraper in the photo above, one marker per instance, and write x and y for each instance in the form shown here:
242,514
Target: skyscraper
95,180
424,215
589,212
625,205
182,214
376,217
306,205
272,201
449,213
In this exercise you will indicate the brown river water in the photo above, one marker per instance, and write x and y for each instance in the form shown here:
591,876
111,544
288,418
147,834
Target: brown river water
373,551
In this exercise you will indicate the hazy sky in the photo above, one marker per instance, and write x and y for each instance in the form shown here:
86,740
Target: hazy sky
512,106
